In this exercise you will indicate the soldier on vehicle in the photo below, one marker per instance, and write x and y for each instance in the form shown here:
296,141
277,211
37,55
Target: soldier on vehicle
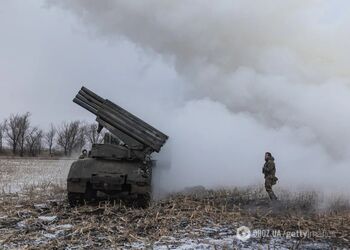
269,171
83,154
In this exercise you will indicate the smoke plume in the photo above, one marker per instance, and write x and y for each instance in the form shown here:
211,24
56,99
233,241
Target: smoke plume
256,76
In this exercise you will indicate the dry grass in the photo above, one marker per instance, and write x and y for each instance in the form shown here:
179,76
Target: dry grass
197,216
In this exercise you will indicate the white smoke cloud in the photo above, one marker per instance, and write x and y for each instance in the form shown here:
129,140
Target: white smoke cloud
261,76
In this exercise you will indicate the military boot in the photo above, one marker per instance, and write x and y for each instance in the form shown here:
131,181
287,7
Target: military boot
272,196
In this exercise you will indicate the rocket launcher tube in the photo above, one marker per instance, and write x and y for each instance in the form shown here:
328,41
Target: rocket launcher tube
120,119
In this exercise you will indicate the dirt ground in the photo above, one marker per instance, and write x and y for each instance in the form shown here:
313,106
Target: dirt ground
38,216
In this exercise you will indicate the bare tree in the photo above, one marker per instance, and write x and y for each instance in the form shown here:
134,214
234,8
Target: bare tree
2,131
33,141
24,127
92,135
12,132
81,140
16,129
71,137
50,138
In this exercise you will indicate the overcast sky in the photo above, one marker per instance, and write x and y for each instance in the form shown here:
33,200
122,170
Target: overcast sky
47,54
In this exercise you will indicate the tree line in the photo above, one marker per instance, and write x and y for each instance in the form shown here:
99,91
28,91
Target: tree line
19,137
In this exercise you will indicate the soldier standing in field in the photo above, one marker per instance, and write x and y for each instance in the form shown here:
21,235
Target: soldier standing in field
269,171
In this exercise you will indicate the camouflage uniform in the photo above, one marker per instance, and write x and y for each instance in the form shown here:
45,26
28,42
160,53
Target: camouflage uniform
269,170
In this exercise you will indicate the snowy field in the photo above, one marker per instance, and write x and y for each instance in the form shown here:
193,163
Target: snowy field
19,174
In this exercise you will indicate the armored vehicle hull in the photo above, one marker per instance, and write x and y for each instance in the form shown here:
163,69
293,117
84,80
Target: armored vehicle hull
121,166
92,179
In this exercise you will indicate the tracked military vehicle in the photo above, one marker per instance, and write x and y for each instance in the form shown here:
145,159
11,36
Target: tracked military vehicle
121,167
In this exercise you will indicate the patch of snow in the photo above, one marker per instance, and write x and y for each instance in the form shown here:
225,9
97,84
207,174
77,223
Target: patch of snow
50,236
41,206
47,218
223,238
22,224
64,226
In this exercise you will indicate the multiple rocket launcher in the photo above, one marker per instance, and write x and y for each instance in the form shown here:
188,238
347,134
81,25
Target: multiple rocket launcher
131,130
